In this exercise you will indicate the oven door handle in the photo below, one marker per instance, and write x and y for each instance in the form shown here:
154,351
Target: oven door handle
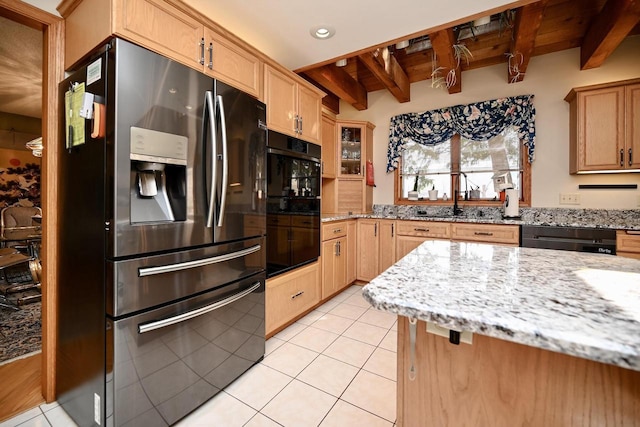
209,110
158,324
293,154
170,268
225,162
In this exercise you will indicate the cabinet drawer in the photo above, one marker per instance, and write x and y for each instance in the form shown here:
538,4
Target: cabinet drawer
438,230
332,230
290,295
628,241
279,220
305,221
488,233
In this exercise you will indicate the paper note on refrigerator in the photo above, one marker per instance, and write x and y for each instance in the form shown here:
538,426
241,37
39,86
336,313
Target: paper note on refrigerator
74,123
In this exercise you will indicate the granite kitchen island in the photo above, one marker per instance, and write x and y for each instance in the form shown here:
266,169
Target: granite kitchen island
555,336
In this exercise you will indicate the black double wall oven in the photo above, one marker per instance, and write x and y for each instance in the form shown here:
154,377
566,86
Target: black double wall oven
293,203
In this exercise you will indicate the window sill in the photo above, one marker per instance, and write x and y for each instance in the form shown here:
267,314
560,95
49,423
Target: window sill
461,203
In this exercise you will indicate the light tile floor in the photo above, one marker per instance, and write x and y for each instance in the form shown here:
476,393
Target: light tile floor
334,367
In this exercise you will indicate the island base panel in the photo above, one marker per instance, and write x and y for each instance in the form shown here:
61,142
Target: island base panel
498,383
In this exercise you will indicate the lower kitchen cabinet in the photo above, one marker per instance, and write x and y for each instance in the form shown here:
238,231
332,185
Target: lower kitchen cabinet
628,244
335,257
486,233
352,251
411,234
377,249
290,295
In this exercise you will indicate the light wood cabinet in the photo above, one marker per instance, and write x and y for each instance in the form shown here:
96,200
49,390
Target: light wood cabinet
329,161
605,127
486,233
164,28
291,294
352,251
350,192
335,257
293,108
411,234
376,247
628,244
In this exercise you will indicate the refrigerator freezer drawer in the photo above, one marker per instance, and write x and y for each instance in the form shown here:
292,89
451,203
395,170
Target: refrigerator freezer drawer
142,283
164,363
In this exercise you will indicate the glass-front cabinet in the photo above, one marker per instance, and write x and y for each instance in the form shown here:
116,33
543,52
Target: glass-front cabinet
351,149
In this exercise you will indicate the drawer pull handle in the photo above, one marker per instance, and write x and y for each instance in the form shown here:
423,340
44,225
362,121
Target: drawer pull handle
337,230
297,295
482,233
426,230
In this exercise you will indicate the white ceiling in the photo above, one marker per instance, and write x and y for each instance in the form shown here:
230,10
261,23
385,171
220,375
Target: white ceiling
280,28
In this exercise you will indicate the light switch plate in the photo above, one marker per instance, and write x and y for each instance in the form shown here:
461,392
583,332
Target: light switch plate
569,198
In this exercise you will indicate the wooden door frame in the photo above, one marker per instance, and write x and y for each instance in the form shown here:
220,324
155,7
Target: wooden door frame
52,28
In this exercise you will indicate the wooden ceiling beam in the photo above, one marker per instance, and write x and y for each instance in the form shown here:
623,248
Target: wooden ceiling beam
395,79
442,43
527,24
338,81
607,30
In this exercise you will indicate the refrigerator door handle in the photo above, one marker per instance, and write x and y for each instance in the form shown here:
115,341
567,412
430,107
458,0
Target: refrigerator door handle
171,268
158,324
209,111
225,162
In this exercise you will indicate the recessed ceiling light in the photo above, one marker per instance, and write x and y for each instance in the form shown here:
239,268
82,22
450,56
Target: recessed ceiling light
322,32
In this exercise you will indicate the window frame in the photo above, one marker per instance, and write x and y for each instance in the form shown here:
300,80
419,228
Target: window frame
525,199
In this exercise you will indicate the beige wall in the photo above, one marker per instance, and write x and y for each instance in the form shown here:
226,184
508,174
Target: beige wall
549,78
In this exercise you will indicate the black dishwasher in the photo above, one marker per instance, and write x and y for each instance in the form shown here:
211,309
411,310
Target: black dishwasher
580,239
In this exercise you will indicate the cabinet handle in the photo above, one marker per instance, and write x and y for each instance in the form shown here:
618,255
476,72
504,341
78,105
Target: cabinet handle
202,51
392,229
339,249
630,156
482,233
621,157
297,295
210,56
337,230
335,249
375,230
300,125
426,230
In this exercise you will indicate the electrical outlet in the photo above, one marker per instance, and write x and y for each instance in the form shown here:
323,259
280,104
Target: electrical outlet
569,198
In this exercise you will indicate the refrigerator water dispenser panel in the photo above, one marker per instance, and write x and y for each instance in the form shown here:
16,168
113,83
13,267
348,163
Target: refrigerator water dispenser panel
158,172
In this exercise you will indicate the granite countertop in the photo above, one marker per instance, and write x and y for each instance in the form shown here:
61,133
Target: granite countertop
581,304
622,219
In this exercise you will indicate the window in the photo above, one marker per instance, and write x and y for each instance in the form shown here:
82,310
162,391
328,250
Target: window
485,168
470,152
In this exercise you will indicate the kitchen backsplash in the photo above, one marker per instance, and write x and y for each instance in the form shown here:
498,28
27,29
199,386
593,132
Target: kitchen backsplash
614,218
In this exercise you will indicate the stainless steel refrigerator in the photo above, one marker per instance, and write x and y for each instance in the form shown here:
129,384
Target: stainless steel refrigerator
162,253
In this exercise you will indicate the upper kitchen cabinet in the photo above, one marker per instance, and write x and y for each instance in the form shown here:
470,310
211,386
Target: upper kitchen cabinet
605,127
293,106
328,147
168,28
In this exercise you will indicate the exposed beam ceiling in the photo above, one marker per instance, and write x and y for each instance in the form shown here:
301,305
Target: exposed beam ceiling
342,84
527,24
608,29
540,27
389,72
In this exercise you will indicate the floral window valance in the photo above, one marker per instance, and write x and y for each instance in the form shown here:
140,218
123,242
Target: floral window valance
478,121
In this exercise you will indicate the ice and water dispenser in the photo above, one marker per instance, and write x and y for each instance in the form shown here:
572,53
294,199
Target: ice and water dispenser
158,176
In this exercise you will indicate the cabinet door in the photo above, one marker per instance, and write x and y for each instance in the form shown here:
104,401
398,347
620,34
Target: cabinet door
368,247
352,252
281,99
232,64
601,129
342,259
405,244
632,97
328,147
387,245
162,28
329,258
310,113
